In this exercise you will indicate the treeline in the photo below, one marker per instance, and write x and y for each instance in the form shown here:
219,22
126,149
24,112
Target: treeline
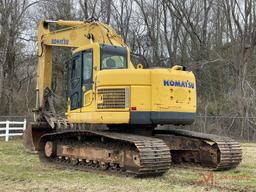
214,38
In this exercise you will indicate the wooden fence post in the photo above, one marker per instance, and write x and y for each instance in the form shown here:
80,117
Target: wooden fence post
7,131
24,125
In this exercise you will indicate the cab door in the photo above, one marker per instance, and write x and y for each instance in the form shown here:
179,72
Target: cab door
76,82
87,84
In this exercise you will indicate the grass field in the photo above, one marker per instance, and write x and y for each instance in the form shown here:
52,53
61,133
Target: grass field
21,171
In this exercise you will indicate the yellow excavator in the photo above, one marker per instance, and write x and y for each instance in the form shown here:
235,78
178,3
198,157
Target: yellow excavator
114,109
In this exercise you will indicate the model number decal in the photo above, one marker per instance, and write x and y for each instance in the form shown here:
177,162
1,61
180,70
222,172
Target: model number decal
60,41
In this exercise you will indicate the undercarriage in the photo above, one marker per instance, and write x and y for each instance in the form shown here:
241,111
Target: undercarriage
138,155
205,150
123,153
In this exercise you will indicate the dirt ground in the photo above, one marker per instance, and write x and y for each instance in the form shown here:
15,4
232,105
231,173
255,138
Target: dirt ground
21,171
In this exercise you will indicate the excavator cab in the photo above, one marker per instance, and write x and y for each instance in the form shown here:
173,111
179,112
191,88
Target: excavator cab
85,65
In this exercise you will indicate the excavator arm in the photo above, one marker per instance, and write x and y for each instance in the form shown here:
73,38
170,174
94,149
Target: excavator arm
75,34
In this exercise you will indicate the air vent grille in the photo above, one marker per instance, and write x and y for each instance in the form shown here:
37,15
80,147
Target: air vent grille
114,98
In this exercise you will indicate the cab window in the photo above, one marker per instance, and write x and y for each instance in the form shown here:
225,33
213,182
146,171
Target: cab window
113,61
75,71
87,65
76,67
113,57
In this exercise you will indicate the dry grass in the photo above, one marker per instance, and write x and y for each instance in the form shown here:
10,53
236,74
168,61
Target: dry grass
21,171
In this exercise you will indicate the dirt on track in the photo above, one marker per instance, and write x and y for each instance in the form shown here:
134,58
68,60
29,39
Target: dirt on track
21,171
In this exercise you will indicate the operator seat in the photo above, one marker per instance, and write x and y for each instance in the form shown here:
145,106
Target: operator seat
111,64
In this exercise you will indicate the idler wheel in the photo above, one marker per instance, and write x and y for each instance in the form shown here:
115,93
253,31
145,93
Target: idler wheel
49,149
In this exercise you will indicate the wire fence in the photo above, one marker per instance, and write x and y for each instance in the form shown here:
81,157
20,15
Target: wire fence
241,128
16,118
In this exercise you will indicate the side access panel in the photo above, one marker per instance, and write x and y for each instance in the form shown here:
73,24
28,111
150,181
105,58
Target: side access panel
173,96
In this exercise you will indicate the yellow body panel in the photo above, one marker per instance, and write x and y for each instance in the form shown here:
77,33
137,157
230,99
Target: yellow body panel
141,98
99,117
147,93
123,77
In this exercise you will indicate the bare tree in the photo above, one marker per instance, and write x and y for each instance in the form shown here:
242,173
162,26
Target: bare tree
12,13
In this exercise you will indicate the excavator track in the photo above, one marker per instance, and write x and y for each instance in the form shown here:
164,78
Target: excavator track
207,150
126,154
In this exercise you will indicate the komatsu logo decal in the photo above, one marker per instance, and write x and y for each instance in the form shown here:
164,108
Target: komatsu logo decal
177,83
60,41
